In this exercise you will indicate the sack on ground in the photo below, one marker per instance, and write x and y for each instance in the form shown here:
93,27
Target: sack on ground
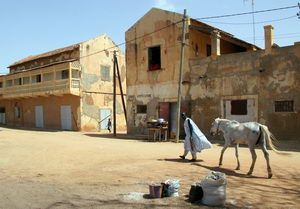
214,189
196,192
172,187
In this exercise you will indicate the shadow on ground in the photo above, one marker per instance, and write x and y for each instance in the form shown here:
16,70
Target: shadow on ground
228,172
32,129
178,160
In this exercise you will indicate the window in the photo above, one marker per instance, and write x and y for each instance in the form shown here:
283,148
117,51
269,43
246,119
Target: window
239,107
36,78
18,112
18,81
208,50
142,109
284,106
105,72
75,74
48,77
154,58
26,80
1,85
196,50
64,74
9,83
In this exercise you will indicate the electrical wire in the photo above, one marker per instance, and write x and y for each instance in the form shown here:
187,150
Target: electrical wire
246,13
175,23
283,35
172,24
262,22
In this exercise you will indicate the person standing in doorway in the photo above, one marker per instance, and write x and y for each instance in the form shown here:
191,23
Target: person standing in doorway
195,141
109,125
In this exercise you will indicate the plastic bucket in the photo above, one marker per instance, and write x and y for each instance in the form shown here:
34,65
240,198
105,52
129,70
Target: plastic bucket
155,190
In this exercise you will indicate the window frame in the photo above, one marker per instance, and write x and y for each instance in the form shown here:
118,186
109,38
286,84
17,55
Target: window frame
151,65
103,74
141,109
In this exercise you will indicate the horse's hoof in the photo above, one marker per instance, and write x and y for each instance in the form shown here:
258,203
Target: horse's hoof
237,168
270,175
249,173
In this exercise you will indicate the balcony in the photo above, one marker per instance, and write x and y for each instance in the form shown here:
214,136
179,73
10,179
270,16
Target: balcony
54,80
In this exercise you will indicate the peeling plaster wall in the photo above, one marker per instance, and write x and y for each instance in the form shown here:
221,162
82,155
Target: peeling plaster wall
96,93
51,111
263,76
151,87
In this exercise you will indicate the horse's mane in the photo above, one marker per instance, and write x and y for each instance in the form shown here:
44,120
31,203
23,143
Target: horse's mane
227,120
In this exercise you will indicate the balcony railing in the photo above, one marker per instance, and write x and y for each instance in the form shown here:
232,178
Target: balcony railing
13,86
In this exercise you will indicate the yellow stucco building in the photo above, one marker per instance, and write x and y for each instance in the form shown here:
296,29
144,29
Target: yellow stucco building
69,88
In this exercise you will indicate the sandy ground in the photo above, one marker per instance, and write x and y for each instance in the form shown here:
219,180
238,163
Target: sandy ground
43,169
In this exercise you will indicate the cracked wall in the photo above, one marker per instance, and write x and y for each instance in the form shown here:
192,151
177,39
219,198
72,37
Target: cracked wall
97,92
265,77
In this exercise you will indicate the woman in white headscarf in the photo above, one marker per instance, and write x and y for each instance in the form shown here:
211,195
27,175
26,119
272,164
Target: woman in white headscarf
195,141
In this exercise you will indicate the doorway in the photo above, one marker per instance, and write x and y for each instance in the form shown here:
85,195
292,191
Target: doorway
39,117
168,111
105,114
2,115
65,117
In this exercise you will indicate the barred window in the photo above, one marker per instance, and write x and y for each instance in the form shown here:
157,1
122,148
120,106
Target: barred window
142,109
284,106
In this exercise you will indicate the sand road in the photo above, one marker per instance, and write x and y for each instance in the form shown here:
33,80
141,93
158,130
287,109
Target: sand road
49,169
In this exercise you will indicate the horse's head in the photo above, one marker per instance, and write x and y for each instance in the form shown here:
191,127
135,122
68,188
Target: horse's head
215,127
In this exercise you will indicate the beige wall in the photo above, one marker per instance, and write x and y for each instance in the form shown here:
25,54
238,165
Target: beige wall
153,87
97,93
51,111
260,76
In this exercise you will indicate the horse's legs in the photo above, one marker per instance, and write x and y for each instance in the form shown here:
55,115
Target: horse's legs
266,154
222,152
252,150
237,156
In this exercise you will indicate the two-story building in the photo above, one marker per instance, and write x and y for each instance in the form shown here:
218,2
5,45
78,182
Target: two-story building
223,76
69,88
153,63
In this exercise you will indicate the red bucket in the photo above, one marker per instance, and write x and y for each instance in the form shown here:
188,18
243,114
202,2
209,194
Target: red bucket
155,190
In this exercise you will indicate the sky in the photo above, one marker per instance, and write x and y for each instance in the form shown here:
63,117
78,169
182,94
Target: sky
30,27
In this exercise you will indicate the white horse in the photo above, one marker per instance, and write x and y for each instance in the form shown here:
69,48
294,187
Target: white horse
250,133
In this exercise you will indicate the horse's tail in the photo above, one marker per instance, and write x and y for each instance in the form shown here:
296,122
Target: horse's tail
270,138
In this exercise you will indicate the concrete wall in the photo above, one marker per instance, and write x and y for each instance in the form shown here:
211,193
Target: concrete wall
263,77
96,92
51,111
